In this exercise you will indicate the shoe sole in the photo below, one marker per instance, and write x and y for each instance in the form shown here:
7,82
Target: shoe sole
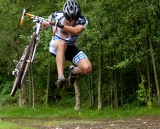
61,83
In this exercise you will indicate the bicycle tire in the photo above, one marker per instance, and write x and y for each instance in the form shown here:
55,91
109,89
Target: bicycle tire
17,83
33,42
14,88
18,77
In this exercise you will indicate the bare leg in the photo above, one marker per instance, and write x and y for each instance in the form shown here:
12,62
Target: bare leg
84,67
60,46
60,57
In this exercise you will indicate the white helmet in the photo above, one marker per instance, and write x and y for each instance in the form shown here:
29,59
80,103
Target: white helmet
71,10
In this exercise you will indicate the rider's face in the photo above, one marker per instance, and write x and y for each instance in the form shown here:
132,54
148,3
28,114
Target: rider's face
71,23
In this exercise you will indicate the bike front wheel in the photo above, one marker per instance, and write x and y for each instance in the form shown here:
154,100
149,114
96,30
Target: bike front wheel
19,79
14,88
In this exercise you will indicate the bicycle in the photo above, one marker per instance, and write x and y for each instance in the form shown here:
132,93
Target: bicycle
29,52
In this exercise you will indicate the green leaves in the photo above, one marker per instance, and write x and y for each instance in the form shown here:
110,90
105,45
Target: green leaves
121,27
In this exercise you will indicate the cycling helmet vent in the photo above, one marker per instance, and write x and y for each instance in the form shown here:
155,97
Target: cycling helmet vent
71,10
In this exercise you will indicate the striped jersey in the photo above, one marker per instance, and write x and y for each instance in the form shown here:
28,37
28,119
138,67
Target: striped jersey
73,38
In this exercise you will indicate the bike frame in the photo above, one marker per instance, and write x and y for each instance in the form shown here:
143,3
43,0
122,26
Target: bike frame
28,55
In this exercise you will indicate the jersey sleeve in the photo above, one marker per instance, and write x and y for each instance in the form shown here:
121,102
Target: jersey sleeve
82,21
53,15
56,15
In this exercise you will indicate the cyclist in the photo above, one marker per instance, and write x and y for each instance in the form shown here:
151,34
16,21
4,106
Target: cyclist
63,44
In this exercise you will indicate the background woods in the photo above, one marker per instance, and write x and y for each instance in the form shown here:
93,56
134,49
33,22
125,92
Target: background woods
121,40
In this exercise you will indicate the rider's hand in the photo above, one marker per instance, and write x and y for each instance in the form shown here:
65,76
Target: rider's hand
53,21
35,19
59,24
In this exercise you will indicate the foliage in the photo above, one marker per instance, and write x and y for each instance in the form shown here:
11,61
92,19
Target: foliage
141,91
123,28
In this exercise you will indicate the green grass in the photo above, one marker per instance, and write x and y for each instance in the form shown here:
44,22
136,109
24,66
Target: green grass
28,118
12,125
7,125
68,112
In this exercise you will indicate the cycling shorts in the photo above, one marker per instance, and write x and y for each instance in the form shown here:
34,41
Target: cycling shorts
72,54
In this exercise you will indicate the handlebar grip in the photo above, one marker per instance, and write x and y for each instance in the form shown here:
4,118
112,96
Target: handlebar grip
22,21
22,18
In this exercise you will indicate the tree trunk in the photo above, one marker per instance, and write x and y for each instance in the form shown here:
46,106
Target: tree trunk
32,81
148,73
115,90
22,96
77,94
30,87
111,79
100,79
91,91
121,84
139,72
48,80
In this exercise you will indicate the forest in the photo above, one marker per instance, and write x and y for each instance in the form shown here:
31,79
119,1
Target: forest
121,41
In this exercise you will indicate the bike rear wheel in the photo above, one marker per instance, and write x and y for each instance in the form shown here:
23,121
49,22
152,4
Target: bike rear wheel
19,79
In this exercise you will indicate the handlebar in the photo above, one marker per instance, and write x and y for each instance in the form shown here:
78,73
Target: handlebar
30,15
33,16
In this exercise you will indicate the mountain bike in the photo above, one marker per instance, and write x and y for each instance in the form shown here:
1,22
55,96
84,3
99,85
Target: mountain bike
29,52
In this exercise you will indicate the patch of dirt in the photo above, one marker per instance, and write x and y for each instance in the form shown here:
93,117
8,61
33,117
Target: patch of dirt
149,122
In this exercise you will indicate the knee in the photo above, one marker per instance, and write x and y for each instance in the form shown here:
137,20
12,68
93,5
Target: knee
62,44
87,69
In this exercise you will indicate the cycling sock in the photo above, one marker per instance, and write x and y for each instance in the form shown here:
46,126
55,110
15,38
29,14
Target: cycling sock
73,70
60,76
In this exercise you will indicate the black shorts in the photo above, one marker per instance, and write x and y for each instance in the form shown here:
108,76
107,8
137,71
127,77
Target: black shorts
70,53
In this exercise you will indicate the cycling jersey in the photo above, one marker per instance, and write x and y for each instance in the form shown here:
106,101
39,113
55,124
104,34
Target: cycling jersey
72,54
73,38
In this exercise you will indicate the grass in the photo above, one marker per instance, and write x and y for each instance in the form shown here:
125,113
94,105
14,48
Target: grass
68,112
7,125
12,117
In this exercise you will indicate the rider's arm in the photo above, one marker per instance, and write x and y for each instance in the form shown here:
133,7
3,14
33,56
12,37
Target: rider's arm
45,25
50,22
74,30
